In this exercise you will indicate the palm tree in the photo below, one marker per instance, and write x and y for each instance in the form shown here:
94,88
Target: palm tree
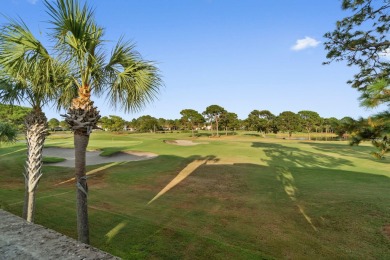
124,78
28,73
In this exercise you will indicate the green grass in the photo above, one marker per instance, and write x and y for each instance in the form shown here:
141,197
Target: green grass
47,159
255,198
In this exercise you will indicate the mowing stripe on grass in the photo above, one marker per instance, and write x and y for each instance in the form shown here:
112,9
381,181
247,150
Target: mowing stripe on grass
43,197
13,152
92,172
190,168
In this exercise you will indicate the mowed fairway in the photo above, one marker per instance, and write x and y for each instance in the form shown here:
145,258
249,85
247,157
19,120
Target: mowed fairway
235,197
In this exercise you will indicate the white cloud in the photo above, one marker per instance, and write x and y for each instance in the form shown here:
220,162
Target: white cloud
385,54
32,1
305,43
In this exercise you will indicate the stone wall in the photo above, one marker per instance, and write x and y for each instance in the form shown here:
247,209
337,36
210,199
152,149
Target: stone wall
22,240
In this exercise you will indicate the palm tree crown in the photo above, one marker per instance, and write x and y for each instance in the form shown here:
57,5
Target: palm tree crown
124,78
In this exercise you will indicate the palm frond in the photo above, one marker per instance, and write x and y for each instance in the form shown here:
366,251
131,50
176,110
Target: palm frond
12,93
77,35
27,70
132,81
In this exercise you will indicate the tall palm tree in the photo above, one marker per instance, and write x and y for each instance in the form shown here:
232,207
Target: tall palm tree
124,77
28,73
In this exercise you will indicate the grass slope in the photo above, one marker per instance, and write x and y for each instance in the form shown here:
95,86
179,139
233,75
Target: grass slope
254,198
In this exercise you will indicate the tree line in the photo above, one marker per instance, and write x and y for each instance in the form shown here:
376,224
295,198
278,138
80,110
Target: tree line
216,119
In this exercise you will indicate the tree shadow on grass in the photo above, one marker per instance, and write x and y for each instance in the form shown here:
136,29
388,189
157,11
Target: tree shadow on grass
280,155
286,160
108,151
343,149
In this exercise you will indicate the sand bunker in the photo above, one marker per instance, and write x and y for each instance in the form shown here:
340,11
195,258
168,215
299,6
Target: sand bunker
183,142
93,157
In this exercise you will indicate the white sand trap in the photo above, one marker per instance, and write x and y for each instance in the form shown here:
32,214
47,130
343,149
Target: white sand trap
183,142
93,157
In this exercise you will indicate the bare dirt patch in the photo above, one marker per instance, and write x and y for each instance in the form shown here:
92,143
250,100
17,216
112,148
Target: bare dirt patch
93,157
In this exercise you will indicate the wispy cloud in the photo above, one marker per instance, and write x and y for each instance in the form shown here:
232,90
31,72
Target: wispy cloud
33,2
305,43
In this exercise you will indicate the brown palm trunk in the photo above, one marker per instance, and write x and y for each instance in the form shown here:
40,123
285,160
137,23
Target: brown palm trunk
82,117
80,144
36,131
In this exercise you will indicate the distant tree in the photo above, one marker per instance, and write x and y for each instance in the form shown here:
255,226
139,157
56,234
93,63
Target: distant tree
229,121
319,126
347,125
112,123
177,124
362,39
170,124
241,124
253,121
64,125
191,118
289,122
118,123
213,113
329,125
334,124
309,120
104,122
147,123
133,124
162,123
8,133
53,123
261,121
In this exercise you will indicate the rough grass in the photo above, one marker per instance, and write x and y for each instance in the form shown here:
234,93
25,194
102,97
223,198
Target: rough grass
254,198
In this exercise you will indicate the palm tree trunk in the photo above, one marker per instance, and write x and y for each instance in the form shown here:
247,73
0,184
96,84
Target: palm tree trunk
36,131
82,117
80,144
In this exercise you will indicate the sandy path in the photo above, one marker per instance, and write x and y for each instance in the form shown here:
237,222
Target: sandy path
93,157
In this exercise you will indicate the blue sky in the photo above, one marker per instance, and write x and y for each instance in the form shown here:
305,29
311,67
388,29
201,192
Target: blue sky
239,54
